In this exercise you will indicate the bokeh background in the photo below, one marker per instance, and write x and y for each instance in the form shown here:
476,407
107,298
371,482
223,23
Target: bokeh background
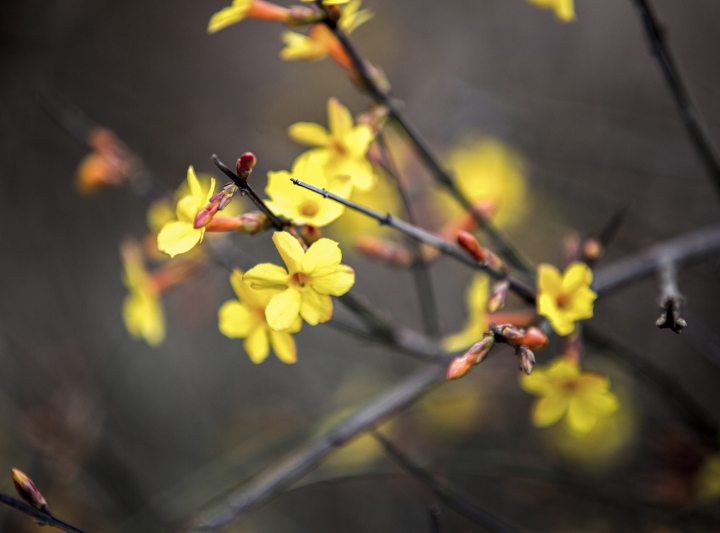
125,438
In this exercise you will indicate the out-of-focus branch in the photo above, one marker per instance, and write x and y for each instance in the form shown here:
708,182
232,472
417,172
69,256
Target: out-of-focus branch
452,496
41,517
699,138
692,246
298,463
420,268
505,249
670,300
518,287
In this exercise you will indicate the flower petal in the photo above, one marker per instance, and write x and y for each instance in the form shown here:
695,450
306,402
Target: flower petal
256,345
290,250
549,409
315,308
235,320
322,258
549,280
582,417
185,209
195,189
283,345
177,238
283,309
229,15
336,283
309,134
339,118
576,275
265,276
144,317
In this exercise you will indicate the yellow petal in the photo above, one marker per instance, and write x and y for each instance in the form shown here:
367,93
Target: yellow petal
358,140
309,134
290,250
339,118
321,258
265,276
359,170
580,306
581,416
283,309
549,409
144,317
195,189
256,345
537,383
576,275
283,345
549,280
316,308
253,297
563,369
186,210
229,15
336,283
351,18
235,320
299,46
177,238
296,326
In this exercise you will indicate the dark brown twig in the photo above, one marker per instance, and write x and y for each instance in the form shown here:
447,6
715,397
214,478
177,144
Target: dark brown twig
688,112
670,300
42,518
450,495
518,287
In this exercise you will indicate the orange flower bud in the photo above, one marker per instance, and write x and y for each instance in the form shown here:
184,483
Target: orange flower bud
497,296
260,9
253,222
465,221
534,339
389,252
218,224
460,366
28,491
470,244
310,234
521,318
324,36
206,214
592,249
174,273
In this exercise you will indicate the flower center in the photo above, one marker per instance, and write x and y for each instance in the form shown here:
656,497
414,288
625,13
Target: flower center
309,209
563,300
300,279
339,147
570,385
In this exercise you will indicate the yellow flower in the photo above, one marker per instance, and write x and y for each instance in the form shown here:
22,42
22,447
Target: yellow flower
241,9
142,309
299,204
311,277
329,2
477,323
320,41
582,397
564,9
179,236
244,318
485,169
565,299
341,150
707,479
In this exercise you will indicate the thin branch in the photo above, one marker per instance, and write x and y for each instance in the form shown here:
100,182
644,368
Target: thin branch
505,249
670,299
699,138
434,515
42,518
518,287
420,268
452,496
691,246
298,463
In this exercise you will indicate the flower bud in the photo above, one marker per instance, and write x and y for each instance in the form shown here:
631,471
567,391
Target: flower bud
526,359
497,296
592,249
482,348
206,214
484,256
253,222
245,164
534,339
310,234
460,366
28,491
384,250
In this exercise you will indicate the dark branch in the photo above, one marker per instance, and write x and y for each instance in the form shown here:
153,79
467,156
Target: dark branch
450,495
670,300
518,287
40,517
688,112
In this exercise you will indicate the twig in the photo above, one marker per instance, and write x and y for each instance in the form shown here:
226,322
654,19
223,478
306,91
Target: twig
452,496
434,515
685,248
441,175
518,287
670,299
688,112
420,268
295,465
244,186
42,518
691,411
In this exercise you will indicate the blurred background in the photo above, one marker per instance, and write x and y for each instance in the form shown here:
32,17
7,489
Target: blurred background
122,437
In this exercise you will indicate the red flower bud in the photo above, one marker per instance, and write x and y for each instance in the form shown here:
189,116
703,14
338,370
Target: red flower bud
460,366
205,215
245,164
534,339
389,252
28,491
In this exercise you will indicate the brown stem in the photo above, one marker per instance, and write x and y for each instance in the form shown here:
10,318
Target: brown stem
41,517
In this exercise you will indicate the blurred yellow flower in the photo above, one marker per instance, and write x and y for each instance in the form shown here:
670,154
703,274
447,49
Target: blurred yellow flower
320,41
244,318
707,479
564,9
299,204
581,397
329,2
179,236
487,170
565,299
142,309
341,151
477,322
241,9
311,277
